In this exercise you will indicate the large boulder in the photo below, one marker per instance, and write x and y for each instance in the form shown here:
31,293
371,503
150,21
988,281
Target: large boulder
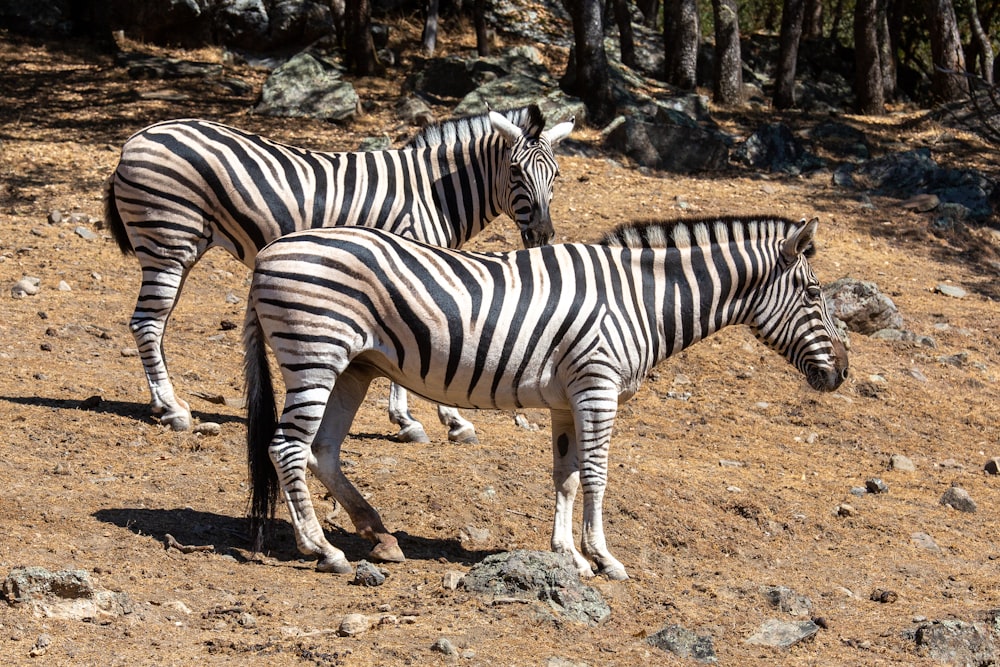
308,86
669,140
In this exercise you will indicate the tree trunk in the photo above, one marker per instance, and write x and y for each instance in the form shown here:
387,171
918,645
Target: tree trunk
650,10
482,39
812,25
868,69
587,70
728,88
358,46
886,41
946,52
838,16
623,18
982,45
429,37
788,54
681,38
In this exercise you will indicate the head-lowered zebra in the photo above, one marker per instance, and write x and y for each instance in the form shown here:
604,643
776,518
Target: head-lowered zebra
184,186
573,328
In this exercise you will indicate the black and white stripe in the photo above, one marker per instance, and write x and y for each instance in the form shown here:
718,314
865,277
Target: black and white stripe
184,186
573,328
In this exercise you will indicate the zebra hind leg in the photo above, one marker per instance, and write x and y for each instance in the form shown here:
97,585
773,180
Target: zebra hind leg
161,286
410,430
342,406
566,479
460,429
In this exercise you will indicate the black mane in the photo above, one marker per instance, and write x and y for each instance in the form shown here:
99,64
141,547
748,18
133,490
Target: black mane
664,233
528,118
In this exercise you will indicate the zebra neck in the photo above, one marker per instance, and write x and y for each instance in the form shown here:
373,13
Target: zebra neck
466,187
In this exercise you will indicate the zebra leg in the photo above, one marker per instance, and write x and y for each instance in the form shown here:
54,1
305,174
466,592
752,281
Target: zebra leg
460,429
566,479
347,396
161,285
291,453
410,430
594,424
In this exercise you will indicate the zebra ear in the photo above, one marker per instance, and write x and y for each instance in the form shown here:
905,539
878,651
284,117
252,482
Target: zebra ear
511,132
559,132
800,240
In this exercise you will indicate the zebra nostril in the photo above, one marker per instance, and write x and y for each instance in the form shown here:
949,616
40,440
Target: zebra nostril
844,373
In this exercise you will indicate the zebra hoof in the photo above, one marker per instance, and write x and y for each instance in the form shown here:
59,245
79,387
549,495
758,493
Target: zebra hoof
464,435
616,573
176,421
412,433
387,553
335,565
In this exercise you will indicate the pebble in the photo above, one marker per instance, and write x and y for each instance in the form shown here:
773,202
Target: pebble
924,541
247,620
522,422
901,463
208,428
27,286
845,509
129,352
475,534
353,625
444,646
64,286
452,579
42,645
55,217
367,574
958,498
953,291
85,233
876,485
993,466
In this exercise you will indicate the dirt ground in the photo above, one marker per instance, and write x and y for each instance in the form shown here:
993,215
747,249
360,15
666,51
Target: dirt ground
710,499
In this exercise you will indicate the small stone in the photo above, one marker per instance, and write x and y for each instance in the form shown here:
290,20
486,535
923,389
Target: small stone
993,466
55,216
129,352
39,232
522,422
353,625
958,498
232,298
85,233
876,485
64,286
443,646
901,463
41,646
883,596
845,509
367,574
953,291
474,534
452,579
62,469
788,601
924,541
207,428
782,634
858,491
247,620
27,286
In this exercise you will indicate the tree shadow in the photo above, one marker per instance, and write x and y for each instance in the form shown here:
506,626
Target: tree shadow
132,410
231,536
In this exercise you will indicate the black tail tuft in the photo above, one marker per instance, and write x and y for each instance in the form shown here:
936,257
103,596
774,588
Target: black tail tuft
262,421
114,219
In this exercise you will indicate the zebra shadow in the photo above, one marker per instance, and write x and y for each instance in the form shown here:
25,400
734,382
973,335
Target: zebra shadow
230,536
102,406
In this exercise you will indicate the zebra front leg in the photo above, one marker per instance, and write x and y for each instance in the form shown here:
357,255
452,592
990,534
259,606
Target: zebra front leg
460,429
594,426
410,430
157,297
566,479
343,404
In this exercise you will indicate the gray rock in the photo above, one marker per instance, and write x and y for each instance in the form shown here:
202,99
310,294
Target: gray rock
669,140
959,499
901,463
782,634
862,306
308,86
367,574
956,642
788,601
444,646
993,466
903,336
451,579
773,147
28,583
538,575
208,428
925,541
27,286
876,485
354,625
953,291
683,643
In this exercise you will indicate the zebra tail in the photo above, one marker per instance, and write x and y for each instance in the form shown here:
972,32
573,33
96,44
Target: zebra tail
114,219
262,421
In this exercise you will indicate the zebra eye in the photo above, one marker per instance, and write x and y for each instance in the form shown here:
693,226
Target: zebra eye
814,292
516,172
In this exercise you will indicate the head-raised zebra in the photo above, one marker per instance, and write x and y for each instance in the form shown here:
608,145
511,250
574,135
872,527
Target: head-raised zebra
574,328
184,186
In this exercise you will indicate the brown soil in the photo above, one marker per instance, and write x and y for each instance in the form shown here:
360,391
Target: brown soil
98,488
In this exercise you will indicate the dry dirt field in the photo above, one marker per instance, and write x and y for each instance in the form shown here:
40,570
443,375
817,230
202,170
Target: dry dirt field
95,484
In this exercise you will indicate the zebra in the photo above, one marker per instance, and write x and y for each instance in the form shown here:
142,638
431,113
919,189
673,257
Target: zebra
184,186
574,328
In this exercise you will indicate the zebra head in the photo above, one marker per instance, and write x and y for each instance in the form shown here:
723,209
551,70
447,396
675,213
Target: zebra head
792,317
532,171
